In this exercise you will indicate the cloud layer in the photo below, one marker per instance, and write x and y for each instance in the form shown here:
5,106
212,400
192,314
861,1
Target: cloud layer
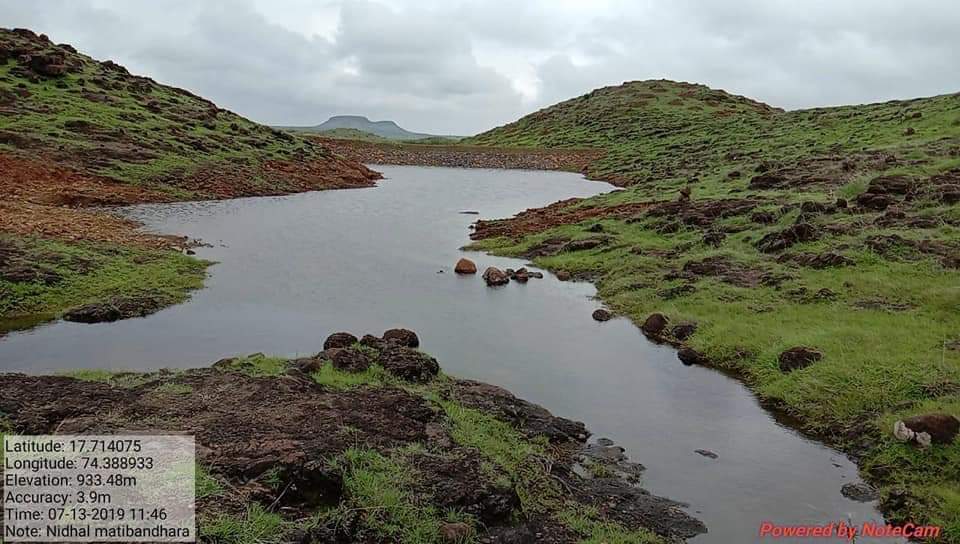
459,67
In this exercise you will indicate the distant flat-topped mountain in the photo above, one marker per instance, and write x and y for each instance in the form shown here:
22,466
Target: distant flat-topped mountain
384,129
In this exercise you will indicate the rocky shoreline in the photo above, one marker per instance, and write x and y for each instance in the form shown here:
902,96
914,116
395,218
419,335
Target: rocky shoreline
462,156
291,440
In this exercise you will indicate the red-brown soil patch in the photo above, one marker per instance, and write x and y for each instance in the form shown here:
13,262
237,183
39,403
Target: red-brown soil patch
564,212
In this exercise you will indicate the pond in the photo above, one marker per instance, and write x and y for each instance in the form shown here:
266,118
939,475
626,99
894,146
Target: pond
293,269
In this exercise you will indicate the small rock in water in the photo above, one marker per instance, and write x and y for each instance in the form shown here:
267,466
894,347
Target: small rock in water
465,266
859,492
470,212
707,453
602,315
690,356
563,275
495,276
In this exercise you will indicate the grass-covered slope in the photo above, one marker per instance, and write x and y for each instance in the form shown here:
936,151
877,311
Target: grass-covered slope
656,130
836,229
102,120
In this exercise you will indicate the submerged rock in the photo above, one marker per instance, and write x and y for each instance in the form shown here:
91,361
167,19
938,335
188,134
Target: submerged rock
602,315
859,492
690,356
114,309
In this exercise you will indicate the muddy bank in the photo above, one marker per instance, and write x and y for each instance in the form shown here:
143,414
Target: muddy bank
459,156
292,440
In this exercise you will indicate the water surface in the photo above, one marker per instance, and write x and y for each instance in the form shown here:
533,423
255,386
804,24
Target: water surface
294,269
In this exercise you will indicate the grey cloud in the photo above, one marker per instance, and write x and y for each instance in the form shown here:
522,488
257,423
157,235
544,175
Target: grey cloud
452,66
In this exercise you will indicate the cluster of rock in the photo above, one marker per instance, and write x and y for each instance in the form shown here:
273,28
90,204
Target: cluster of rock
37,57
494,276
395,351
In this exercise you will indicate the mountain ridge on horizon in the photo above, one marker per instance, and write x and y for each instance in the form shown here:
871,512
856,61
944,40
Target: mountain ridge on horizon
387,129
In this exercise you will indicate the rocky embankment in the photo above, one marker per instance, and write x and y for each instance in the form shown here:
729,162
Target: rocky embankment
364,442
460,156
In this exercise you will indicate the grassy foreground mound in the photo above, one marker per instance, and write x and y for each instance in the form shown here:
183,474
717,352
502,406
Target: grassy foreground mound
365,442
836,230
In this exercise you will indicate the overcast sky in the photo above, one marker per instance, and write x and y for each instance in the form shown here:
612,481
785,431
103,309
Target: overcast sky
460,67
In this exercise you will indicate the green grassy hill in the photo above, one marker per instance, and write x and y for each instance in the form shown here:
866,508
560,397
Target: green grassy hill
835,229
656,130
100,119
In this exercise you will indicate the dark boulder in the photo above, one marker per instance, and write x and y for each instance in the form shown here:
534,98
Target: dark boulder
602,315
690,356
872,201
655,324
307,364
408,364
373,342
683,331
798,357
115,309
859,492
563,275
403,337
339,340
465,266
494,276
794,234
347,359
